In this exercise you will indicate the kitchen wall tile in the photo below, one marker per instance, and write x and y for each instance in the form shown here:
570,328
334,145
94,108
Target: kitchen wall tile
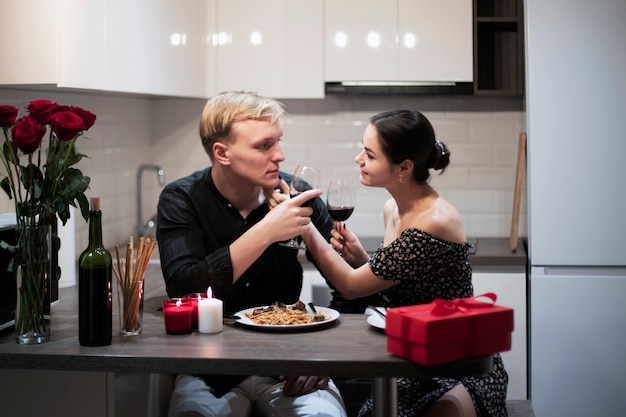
482,134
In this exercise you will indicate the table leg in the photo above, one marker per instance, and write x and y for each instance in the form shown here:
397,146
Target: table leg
385,396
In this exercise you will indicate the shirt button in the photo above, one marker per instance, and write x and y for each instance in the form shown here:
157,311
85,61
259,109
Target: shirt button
230,205
247,285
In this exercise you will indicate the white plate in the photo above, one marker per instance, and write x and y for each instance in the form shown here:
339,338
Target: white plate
328,312
375,320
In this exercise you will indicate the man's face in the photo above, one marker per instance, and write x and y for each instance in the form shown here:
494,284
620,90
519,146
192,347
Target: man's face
254,153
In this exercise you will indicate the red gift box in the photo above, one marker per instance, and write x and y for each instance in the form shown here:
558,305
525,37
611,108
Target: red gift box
449,330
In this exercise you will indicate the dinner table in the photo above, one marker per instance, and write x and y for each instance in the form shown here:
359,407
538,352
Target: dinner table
347,346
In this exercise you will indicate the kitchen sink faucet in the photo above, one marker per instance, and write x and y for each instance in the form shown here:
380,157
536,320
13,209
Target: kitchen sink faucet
143,228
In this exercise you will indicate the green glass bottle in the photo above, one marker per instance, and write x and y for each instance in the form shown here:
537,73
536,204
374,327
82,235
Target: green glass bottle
95,296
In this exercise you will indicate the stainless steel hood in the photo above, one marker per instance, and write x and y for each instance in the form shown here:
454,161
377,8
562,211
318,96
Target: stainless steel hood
399,88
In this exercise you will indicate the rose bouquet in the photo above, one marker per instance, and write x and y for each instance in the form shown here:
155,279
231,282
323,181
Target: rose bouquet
39,176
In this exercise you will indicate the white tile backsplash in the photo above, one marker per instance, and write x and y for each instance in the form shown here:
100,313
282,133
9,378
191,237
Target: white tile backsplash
482,134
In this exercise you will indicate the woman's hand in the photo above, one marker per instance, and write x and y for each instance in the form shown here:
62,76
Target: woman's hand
348,245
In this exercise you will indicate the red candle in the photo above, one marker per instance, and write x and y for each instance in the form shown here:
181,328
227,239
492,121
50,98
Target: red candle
195,298
178,315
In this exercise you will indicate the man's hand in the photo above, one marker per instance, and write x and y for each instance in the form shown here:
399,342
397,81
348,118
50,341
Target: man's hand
300,385
274,196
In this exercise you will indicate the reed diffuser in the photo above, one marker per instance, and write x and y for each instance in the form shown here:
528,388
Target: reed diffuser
130,272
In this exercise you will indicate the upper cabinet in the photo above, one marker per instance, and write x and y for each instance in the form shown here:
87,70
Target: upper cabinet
498,47
285,49
402,40
273,47
52,43
158,47
145,46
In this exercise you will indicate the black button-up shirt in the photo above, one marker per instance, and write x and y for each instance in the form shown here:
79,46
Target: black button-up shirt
196,225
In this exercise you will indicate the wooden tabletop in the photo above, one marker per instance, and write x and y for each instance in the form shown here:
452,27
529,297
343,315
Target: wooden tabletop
349,347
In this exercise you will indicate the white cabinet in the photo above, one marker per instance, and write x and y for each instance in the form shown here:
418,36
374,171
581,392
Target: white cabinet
52,43
510,287
273,47
159,47
402,40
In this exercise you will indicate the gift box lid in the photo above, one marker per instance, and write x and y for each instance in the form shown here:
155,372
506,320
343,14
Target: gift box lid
419,324
487,318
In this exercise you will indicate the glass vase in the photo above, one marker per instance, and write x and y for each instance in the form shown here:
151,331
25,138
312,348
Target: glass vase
32,312
130,306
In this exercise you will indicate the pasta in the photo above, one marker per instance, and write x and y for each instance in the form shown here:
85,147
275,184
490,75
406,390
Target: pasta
280,314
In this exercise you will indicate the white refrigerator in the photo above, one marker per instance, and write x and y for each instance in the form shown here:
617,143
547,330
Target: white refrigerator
576,116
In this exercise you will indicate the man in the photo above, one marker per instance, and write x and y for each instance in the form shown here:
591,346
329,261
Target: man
215,229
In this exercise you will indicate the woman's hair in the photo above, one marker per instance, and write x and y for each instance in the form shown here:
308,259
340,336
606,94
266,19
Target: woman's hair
226,108
407,134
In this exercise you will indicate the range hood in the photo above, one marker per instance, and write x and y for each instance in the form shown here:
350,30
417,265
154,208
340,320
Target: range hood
399,88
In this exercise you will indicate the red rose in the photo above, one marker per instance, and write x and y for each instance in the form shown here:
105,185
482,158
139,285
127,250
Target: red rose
42,110
88,117
66,125
27,134
8,114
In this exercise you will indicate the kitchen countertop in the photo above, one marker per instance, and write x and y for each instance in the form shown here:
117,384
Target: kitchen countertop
489,252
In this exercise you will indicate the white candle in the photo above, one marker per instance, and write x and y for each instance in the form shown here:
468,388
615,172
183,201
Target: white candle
210,315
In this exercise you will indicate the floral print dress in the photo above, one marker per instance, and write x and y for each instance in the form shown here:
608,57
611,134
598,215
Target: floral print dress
427,268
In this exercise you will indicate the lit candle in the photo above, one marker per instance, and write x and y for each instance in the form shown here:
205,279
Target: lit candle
178,315
210,314
194,298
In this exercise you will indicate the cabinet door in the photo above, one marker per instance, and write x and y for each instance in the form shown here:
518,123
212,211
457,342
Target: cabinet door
361,40
511,291
157,47
132,31
81,41
435,40
28,47
273,47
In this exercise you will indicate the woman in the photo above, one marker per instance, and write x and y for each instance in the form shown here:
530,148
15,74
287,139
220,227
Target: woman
424,253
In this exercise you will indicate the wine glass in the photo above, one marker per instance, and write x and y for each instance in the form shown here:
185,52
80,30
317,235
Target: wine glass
304,178
340,200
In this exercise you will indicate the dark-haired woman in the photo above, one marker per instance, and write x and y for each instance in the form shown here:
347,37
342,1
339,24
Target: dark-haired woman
424,254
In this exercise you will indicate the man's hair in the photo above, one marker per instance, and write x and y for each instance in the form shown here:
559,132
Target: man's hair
229,107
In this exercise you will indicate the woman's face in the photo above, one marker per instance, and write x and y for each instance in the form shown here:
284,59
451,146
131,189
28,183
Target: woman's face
376,171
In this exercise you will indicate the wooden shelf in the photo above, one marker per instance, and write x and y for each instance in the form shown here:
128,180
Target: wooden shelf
498,48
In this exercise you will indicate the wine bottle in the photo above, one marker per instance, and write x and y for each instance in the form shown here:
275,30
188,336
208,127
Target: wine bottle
95,296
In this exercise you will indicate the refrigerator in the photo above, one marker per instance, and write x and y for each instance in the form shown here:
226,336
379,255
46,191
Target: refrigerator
576,124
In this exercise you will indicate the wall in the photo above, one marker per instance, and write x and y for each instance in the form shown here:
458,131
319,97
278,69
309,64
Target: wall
482,134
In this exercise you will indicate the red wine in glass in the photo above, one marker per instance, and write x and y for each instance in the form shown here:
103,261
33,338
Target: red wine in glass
340,214
340,200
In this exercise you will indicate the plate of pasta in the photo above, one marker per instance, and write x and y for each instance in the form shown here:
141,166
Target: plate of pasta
284,317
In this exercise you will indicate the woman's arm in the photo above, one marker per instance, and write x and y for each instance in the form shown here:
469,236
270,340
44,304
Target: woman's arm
350,282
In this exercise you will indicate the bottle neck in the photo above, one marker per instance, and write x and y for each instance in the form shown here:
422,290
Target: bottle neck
95,228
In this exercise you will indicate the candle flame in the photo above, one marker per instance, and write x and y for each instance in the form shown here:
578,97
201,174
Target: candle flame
209,293
178,303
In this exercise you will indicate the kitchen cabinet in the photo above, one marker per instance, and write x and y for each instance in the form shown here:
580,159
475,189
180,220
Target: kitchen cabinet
61,44
498,47
405,40
509,284
274,47
159,47
156,47
33,392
